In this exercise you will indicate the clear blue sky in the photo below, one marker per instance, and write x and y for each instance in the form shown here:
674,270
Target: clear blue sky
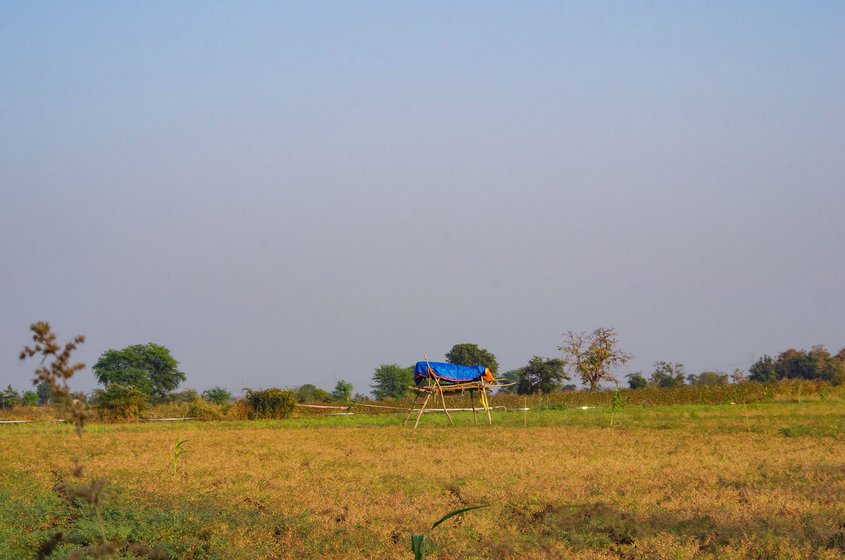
289,193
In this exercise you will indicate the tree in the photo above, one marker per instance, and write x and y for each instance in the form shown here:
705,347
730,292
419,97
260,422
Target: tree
311,393
708,379
541,375
468,354
30,398
148,367
342,391
763,370
392,381
800,364
667,375
511,380
217,395
591,356
636,380
45,393
738,376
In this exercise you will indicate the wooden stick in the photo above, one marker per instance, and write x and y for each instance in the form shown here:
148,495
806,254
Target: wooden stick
486,406
439,389
472,403
411,410
425,402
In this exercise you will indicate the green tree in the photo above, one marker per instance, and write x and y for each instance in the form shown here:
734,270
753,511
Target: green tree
342,391
763,370
541,375
217,395
309,393
708,379
468,354
591,356
511,380
636,380
666,375
30,398
815,364
392,381
148,367
45,393
800,364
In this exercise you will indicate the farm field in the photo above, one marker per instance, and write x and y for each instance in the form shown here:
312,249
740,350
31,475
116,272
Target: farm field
766,480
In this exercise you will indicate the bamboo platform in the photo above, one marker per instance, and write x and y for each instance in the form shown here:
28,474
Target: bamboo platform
435,388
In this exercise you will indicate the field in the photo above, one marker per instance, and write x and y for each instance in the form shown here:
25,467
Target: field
762,480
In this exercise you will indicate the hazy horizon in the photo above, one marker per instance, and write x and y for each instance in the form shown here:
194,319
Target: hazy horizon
298,193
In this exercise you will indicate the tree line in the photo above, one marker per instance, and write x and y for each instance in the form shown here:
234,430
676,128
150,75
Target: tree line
144,374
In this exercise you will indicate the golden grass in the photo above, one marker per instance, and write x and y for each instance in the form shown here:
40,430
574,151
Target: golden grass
651,489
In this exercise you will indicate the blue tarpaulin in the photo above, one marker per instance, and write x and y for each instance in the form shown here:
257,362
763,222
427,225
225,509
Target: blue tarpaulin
451,372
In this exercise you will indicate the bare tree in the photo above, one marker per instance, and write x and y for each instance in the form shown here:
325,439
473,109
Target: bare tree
591,356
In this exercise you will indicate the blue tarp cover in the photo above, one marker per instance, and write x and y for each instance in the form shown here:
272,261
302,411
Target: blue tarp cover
451,372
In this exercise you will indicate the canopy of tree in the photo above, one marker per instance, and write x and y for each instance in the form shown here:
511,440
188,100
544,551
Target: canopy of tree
342,391
818,363
217,395
309,393
636,380
392,381
468,354
667,375
148,367
591,356
541,375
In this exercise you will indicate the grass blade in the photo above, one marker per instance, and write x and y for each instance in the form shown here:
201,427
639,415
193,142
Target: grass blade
456,512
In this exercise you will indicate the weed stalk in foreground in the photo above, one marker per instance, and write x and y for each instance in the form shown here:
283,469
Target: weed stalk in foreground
55,369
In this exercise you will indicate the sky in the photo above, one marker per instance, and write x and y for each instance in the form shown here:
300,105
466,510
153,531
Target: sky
298,192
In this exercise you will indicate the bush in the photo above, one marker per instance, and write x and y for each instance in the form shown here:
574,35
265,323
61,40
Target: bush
270,403
118,402
202,410
240,410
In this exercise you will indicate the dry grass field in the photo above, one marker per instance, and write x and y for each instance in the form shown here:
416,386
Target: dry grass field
717,481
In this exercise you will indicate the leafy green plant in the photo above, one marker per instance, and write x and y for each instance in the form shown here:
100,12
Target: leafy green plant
176,453
617,404
419,541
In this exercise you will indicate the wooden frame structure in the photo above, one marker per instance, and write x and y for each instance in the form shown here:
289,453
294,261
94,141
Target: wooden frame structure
434,387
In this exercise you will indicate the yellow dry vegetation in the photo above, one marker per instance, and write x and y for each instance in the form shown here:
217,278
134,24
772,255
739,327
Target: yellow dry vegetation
347,490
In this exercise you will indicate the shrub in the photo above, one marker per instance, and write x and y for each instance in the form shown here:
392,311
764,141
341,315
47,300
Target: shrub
270,403
118,402
202,410
240,410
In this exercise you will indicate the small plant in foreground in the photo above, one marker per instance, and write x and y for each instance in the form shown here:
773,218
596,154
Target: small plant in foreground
617,404
176,453
419,542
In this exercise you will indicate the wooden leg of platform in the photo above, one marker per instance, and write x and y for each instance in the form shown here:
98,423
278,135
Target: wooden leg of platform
472,404
422,408
446,410
487,406
411,410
